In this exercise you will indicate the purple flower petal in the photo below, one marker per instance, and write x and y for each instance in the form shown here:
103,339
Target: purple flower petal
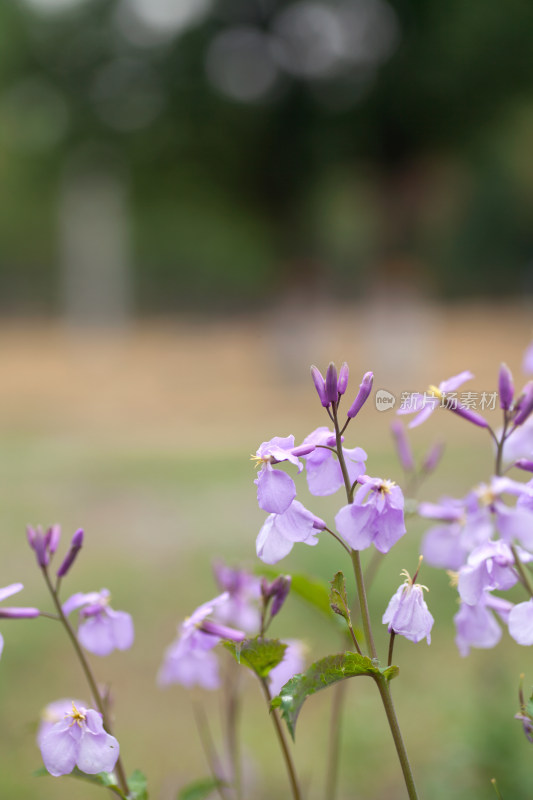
521,623
97,753
275,490
7,591
59,751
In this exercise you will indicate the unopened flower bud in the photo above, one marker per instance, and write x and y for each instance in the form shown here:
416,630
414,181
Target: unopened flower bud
53,535
402,446
19,613
223,631
362,396
320,385
525,404
303,450
75,547
524,463
279,590
506,387
39,545
470,416
342,382
331,383
433,457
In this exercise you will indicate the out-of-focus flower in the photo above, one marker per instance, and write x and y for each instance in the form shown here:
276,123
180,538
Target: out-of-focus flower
19,612
425,404
405,454
489,566
189,660
244,592
375,516
521,623
407,613
276,489
476,625
506,387
281,531
324,475
79,740
75,547
292,663
43,544
101,629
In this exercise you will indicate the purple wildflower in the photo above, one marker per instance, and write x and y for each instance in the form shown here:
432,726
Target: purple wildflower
425,404
476,625
407,613
280,532
490,566
276,489
292,663
463,527
101,629
79,740
374,517
189,660
244,591
324,475
15,612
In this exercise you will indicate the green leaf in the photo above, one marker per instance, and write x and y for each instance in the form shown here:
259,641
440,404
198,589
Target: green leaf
138,786
259,655
338,598
319,676
199,790
311,590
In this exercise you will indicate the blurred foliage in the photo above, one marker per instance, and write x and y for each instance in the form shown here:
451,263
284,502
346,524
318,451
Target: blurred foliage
266,143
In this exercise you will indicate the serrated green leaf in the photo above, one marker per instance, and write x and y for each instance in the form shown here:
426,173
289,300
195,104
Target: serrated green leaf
200,790
338,599
319,676
259,655
138,785
312,590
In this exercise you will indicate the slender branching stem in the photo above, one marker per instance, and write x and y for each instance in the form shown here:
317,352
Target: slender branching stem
335,725
208,746
386,697
391,647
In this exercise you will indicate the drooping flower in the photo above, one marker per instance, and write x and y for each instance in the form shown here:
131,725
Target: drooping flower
292,663
244,591
20,612
407,613
476,625
425,404
276,489
189,660
324,475
375,516
79,740
101,629
281,531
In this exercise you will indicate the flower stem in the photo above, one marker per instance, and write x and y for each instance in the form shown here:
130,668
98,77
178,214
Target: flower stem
119,769
363,602
335,725
282,743
386,697
211,755
524,577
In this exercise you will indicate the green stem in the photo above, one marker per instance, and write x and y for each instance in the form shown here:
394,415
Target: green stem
282,743
119,769
363,602
524,577
208,746
386,697
330,791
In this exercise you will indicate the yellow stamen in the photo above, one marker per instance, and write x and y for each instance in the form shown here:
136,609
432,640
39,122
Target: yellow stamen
259,460
436,391
76,715
453,576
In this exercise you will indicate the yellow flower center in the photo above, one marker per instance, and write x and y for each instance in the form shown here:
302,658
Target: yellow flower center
436,391
77,716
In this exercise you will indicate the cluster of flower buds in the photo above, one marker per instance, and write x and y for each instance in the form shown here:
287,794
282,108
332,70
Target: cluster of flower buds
45,545
331,388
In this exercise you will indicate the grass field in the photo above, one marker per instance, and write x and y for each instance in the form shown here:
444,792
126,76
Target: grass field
143,439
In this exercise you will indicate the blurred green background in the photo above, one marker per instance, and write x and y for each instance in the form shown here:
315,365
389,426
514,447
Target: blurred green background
199,199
